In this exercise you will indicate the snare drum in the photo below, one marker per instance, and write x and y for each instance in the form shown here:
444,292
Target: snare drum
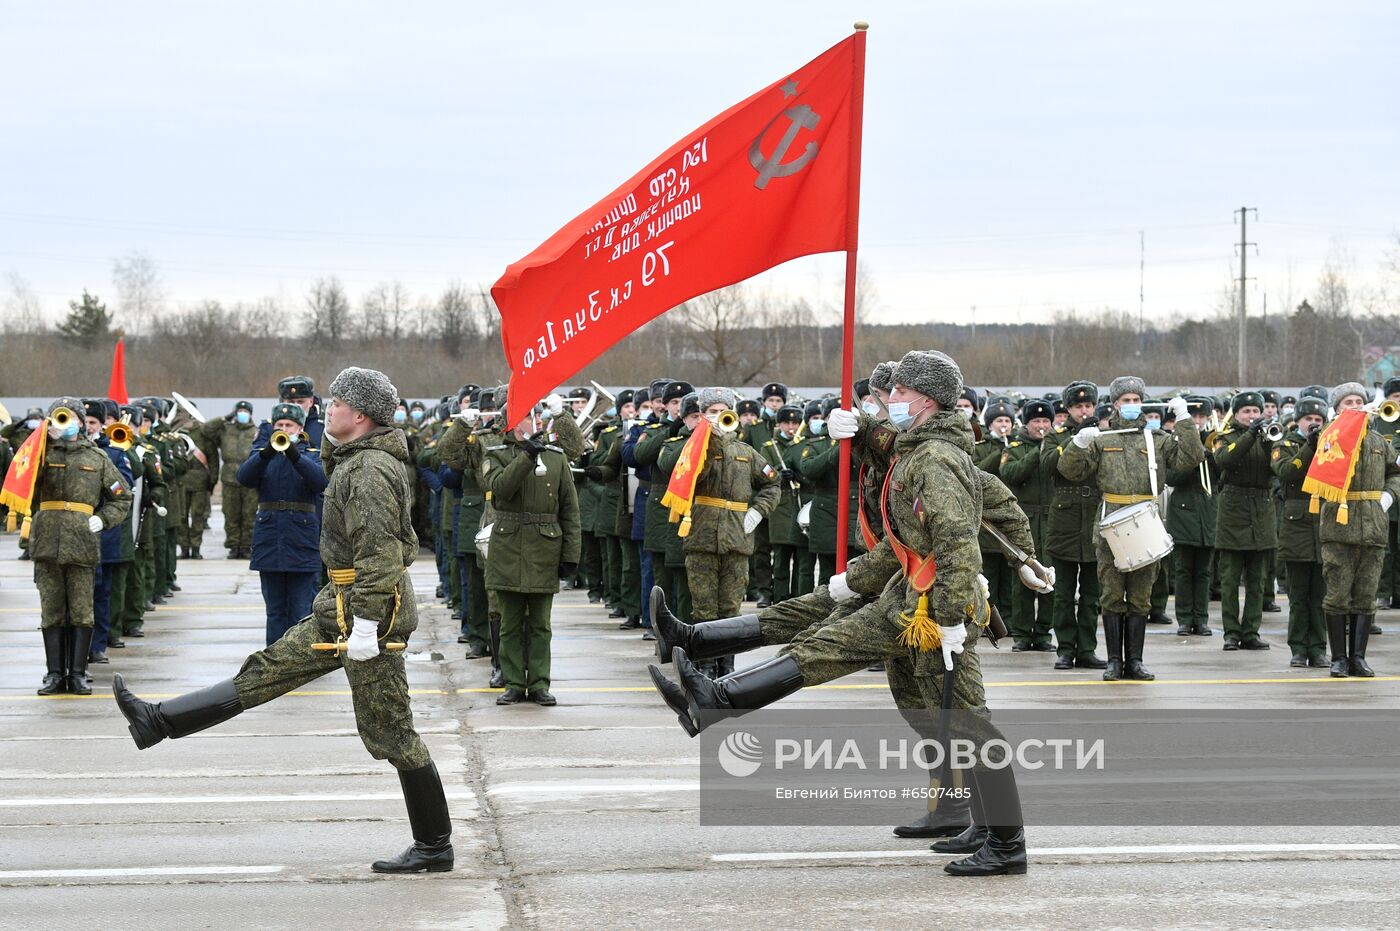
1136,535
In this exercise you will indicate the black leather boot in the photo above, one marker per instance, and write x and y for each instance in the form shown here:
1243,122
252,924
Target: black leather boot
1360,634
705,641
79,642
674,696
1113,644
950,818
152,722
430,821
54,657
745,690
1132,649
1005,849
975,834
1337,640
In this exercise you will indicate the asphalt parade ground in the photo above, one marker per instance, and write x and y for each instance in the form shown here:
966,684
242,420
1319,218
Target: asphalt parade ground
585,815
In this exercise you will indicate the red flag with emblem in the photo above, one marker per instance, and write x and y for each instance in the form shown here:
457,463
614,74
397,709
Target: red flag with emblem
116,385
680,490
768,180
17,493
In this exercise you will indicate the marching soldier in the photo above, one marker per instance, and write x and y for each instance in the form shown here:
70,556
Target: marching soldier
368,609
1191,524
234,434
1020,470
534,543
1353,535
1070,537
1299,545
1245,530
78,493
1115,463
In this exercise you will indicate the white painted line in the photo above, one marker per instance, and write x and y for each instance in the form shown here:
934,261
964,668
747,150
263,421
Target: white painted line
1141,850
493,728
134,872
591,788
114,801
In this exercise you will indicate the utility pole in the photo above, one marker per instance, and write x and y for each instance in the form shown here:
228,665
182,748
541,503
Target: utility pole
1142,264
1244,248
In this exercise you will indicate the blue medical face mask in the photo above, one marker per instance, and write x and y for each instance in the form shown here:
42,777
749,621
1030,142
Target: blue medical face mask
1130,411
400,417
899,414
32,424
417,415
1154,424
611,412
70,431
816,426
243,417
870,407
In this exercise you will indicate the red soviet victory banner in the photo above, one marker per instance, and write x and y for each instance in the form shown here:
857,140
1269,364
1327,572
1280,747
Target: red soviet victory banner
766,181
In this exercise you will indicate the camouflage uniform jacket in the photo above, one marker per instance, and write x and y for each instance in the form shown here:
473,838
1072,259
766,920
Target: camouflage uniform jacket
367,525
235,443
1376,471
75,470
734,472
1117,463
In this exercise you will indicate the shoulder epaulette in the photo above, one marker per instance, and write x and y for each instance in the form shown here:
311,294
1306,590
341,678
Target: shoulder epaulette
1015,443
610,429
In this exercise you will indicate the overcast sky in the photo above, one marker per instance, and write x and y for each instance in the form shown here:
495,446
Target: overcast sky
1013,151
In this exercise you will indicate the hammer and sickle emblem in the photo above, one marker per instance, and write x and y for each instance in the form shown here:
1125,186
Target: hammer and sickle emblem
768,168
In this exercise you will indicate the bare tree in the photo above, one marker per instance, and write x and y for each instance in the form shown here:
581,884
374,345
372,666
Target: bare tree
140,294
329,321
456,318
23,313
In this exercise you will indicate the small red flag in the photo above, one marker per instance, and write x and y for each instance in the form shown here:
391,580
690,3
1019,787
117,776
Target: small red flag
116,387
680,490
766,181
17,492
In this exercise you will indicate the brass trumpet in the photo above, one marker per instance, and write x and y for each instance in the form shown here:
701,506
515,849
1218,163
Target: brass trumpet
280,441
1389,411
1273,431
120,434
727,422
62,417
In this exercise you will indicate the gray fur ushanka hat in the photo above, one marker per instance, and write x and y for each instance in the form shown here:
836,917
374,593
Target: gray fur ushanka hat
1346,389
882,377
710,396
368,391
1126,384
931,373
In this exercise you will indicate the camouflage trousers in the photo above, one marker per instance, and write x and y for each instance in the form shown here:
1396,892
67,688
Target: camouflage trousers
1352,575
240,510
717,583
65,593
1123,592
194,520
378,688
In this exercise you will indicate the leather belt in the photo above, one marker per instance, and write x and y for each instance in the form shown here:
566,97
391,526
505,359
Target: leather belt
1247,492
286,506
1363,496
1077,491
1127,499
527,517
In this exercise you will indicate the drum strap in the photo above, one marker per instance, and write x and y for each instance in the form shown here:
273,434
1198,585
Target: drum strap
1151,462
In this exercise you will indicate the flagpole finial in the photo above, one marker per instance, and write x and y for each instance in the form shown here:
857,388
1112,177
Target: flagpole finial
861,25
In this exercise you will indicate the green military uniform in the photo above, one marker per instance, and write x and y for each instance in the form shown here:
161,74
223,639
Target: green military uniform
758,435
195,484
673,576
819,467
1118,464
75,481
151,532
240,505
605,468
1019,468
784,539
657,529
535,534
591,563
1352,552
175,461
986,455
458,449
1070,545
1300,548
1191,524
1245,532
734,479
804,561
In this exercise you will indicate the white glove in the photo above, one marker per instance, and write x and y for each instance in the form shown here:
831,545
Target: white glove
838,589
161,511
469,416
1033,581
554,404
951,642
752,518
1387,499
1178,408
364,640
986,588
1050,576
841,424
95,524
1085,437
